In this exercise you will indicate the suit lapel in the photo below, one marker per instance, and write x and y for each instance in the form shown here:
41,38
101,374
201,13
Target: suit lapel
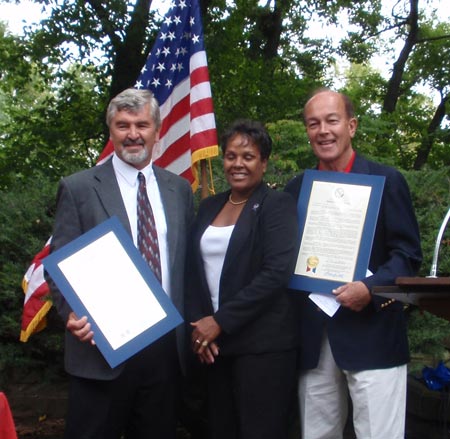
108,191
169,200
206,218
245,224
360,165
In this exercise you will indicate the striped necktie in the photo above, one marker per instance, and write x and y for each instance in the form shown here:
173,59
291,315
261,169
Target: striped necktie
147,238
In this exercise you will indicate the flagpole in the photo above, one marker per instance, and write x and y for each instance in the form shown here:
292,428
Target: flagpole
204,179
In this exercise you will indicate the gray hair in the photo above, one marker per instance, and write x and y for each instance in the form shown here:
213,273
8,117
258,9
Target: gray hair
134,100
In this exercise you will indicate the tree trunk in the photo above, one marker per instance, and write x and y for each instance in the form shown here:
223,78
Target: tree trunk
428,140
132,51
269,26
394,86
132,54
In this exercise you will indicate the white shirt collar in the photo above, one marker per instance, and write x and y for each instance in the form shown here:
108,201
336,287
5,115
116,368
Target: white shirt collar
129,173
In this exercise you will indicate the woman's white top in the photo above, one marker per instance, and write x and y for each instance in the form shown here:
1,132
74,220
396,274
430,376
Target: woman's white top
213,247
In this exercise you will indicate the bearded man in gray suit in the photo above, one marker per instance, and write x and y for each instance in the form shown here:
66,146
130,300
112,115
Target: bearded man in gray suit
136,399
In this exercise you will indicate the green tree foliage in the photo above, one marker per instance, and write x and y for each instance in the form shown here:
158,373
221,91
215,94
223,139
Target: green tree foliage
427,337
262,68
49,125
426,67
47,137
431,197
291,153
26,217
112,37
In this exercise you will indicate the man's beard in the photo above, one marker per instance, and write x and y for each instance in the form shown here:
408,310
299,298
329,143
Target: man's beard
135,158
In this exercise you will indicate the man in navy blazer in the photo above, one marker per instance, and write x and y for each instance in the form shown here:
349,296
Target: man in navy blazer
362,350
137,398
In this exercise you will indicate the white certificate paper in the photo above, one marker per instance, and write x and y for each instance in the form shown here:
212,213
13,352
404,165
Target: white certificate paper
103,276
331,238
112,290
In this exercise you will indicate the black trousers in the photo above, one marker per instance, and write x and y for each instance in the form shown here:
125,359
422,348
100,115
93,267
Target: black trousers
250,396
139,404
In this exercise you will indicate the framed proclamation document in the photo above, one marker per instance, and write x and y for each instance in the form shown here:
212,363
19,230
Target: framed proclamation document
102,276
337,218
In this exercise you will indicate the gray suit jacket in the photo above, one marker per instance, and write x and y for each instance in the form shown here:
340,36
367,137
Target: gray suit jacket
88,198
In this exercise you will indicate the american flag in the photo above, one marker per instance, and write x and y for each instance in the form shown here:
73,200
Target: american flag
176,72
37,301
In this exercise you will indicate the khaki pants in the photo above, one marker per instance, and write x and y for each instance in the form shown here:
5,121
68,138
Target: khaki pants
378,397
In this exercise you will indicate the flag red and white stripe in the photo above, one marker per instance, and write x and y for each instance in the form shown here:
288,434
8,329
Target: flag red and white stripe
37,301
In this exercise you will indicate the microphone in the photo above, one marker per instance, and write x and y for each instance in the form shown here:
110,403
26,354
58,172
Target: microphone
433,270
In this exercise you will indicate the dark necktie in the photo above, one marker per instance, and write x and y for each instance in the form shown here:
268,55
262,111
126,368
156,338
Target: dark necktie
147,238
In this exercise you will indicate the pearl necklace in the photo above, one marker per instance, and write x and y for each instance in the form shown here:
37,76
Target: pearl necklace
236,203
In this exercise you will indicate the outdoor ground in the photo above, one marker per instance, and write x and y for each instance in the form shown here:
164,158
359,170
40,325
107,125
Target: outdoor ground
39,408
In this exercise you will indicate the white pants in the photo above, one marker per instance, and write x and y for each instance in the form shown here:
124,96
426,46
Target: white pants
378,398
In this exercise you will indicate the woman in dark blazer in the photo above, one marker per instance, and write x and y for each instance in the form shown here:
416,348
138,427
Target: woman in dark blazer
244,247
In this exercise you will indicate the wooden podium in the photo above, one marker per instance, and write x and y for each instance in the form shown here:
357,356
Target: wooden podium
431,294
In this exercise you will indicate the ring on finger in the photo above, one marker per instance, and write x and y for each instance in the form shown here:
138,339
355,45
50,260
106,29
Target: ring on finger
204,343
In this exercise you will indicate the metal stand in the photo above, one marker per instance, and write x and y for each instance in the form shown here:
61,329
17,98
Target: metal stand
433,271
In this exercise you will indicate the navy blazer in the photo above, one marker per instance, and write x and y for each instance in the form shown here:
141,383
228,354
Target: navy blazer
374,338
255,309
88,198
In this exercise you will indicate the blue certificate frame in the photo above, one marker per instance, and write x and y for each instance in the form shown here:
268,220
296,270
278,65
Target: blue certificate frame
311,283
117,355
